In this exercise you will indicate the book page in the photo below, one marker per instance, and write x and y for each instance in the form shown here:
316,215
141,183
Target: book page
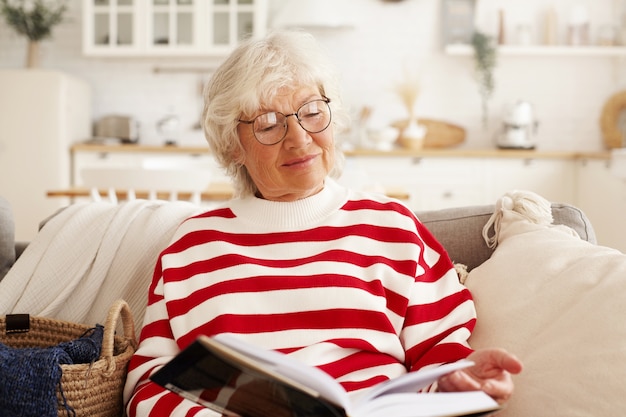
414,381
439,404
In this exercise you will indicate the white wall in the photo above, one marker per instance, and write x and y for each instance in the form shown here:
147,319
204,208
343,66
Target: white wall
568,91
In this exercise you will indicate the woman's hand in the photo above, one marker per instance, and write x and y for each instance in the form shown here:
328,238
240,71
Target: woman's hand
491,374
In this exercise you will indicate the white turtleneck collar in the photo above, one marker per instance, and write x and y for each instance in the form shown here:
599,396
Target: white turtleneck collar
293,215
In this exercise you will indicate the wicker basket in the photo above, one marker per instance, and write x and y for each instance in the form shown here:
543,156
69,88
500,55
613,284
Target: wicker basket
95,389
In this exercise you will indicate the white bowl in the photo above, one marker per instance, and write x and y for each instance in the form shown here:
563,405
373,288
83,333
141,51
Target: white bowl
383,138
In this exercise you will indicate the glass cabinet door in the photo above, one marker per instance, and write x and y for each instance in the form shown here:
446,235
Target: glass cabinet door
172,23
169,27
232,21
113,23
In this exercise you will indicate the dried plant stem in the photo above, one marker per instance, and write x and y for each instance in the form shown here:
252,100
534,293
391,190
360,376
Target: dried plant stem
409,90
485,59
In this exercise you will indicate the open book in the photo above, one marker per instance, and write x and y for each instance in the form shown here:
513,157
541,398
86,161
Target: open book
237,379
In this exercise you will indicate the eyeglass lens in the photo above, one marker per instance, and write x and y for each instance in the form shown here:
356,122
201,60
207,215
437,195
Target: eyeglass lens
270,128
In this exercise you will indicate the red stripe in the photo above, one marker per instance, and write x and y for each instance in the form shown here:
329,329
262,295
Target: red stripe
137,360
366,383
308,320
418,356
166,404
355,205
443,353
194,410
225,213
406,267
437,310
357,362
156,276
262,284
318,234
159,328
143,393
397,303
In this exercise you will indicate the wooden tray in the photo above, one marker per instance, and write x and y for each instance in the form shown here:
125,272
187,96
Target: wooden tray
611,119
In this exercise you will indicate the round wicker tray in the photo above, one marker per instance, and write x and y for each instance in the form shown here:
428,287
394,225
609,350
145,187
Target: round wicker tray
610,120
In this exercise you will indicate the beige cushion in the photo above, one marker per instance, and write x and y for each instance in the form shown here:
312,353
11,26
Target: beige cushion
559,303
459,229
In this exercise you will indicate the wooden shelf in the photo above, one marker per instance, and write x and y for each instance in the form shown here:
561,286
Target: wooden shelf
426,152
544,50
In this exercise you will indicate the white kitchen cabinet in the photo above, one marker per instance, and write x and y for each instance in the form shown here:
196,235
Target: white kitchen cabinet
603,199
169,27
431,182
82,161
441,182
144,171
438,183
554,179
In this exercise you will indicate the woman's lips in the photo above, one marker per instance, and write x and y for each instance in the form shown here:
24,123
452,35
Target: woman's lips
306,160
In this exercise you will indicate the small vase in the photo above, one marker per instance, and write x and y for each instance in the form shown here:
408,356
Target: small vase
32,54
412,136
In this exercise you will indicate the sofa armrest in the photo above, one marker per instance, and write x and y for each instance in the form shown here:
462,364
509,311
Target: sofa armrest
459,230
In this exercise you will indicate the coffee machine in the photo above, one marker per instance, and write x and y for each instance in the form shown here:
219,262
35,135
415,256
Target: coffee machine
519,128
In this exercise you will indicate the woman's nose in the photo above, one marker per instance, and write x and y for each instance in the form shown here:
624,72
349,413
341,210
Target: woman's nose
296,135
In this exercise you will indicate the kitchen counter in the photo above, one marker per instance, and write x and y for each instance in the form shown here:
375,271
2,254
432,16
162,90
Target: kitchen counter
400,152
213,192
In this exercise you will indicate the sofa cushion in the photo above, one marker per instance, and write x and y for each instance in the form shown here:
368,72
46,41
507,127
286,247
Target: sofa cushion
7,237
557,302
459,229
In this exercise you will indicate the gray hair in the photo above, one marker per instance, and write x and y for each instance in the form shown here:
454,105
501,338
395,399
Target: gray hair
250,78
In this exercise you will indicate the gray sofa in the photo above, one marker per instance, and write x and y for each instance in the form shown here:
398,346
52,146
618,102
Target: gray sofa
458,229
550,300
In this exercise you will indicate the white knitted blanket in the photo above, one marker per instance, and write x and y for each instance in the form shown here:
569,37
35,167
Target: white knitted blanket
89,255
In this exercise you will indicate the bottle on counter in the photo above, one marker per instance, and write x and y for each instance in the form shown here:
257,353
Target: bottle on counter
578,26
551,36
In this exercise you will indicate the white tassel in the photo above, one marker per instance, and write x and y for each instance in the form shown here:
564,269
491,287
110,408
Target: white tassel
95,195
535,208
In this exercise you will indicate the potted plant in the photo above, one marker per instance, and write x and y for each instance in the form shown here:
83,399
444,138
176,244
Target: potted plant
485,60
33,19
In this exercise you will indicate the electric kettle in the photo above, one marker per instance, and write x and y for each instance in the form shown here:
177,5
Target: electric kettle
519,128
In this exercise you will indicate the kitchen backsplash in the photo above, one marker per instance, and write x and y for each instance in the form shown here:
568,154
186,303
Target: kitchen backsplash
388,38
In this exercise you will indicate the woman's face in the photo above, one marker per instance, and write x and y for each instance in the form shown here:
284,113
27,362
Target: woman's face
296,167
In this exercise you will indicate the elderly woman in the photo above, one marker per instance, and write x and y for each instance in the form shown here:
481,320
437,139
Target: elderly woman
347,281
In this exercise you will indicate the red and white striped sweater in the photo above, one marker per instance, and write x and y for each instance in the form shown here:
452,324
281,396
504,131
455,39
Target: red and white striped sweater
346,281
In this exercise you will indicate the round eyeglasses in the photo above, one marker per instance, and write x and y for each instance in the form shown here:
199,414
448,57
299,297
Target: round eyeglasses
270,128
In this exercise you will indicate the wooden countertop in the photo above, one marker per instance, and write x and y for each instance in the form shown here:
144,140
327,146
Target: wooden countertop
214,192
399,152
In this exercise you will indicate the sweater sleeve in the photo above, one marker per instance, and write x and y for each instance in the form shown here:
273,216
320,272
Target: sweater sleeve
144,398
441,314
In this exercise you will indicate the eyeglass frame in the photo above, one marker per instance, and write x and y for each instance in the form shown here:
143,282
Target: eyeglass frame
330,118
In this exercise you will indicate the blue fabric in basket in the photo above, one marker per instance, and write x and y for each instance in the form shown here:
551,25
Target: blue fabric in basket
29,377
